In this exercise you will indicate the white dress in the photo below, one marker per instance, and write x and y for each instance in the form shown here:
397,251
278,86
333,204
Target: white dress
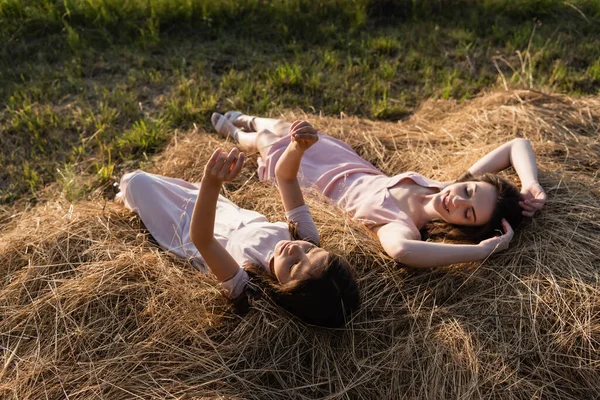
165,205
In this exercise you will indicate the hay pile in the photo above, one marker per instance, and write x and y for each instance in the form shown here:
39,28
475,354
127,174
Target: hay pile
91,308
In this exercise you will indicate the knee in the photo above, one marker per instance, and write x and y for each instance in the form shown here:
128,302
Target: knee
265,138
133,180
282,127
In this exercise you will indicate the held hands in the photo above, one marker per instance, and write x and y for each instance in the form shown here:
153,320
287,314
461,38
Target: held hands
499,243
533,198
303,135
222,167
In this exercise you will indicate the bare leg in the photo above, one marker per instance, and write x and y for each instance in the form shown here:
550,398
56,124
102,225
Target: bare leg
279,127
247,141
257,141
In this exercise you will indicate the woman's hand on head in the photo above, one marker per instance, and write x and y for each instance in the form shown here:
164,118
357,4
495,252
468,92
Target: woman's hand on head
223,167
533,198
303,134
499,243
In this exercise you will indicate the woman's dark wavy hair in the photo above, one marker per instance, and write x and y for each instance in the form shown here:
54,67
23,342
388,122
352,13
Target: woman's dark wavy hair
507,207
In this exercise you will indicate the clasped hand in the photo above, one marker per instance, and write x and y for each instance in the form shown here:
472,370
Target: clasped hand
533,198
303,134
499,243
222,167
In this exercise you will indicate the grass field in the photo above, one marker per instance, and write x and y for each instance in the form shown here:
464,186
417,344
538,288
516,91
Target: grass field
89,88
91,308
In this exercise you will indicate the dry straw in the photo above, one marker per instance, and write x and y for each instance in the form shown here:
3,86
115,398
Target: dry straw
91,308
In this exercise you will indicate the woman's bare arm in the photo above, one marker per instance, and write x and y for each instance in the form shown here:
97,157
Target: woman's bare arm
518,154
397,242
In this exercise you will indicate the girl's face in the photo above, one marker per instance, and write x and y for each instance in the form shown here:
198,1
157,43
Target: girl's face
298,260
466,203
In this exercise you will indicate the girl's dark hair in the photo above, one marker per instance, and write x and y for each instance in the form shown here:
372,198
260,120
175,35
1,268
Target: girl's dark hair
507,207
325,301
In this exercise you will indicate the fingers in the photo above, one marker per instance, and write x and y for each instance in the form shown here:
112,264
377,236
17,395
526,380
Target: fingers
236,167
309,137
525,205
213,158
301,127
294,125
303,134
530,206
219,163
299,123
229,163
541,196
499,243
225,166
533,199
304,129
508,230
231,158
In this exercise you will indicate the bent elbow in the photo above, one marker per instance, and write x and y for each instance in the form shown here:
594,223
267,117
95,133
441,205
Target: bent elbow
403,254
197,238
282,176
398,252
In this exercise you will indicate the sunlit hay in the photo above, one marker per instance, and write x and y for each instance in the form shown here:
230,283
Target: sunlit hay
90,307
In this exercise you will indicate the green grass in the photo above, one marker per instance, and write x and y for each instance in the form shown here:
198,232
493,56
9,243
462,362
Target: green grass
93,87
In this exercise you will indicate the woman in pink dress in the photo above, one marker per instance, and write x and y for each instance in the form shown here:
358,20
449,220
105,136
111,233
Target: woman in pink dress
398,208
241,247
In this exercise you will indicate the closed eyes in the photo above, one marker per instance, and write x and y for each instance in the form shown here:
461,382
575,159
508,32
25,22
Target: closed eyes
469,194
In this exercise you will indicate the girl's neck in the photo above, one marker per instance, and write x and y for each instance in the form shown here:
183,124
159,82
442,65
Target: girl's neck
271,266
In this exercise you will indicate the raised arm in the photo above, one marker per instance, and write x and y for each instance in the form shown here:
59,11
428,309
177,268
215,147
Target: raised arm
519,154
398,243
220,168
303,136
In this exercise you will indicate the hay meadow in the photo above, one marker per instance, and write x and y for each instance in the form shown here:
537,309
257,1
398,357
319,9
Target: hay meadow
91,308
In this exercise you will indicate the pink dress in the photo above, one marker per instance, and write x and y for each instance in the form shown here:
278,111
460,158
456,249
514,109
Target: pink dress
165,205
334,169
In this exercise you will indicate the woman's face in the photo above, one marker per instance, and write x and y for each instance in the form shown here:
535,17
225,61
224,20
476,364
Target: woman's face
466,203
298,260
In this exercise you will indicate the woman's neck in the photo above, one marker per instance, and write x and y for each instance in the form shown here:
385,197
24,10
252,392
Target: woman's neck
429,213
416,201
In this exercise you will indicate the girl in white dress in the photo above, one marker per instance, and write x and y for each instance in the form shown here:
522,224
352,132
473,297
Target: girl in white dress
246,252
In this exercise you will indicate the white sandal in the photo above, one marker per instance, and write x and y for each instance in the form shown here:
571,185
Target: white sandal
219,126
233,115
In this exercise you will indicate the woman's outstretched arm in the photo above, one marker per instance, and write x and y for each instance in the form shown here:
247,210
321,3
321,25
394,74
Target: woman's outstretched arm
519,154
396,241
218,169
